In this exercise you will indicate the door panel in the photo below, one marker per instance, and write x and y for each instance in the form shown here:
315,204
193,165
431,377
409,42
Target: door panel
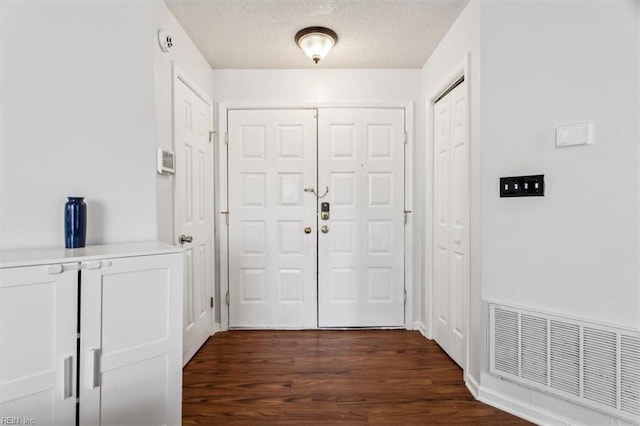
451,174
129,349
38,335
194,213
361,257
458,233
442,136
272,261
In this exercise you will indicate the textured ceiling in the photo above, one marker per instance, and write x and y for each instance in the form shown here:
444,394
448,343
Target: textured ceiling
259,34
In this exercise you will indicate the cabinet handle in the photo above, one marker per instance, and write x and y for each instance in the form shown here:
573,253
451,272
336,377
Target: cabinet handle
67,379
54,269
92,369
93,264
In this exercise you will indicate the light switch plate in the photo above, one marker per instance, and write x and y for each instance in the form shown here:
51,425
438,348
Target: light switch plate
574,134
522,186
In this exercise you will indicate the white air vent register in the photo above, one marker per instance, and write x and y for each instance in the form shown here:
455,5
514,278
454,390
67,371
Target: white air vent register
592,364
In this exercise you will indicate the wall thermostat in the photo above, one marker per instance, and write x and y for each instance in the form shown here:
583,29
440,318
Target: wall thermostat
166,162
574,134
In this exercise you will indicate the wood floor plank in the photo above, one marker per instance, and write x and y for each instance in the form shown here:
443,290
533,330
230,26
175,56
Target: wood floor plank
328,377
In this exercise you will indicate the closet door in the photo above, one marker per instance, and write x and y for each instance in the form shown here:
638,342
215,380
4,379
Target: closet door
451,175
38,334
272,219
361,244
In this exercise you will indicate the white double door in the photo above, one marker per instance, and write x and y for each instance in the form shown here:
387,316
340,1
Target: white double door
289,267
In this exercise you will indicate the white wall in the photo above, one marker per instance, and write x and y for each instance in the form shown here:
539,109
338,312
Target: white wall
462,43
76,120
575,251
193,65
293,88
318,87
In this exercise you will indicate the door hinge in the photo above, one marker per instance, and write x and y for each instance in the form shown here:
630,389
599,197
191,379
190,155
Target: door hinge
227,298
406,138
211,135
226,217
226,138
406,212
405,297
315,113
211,302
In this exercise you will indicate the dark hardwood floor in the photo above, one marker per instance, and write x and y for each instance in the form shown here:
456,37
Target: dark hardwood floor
329,377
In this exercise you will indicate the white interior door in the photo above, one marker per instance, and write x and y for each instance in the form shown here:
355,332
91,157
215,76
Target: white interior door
272,261
451,175
194,213
361,256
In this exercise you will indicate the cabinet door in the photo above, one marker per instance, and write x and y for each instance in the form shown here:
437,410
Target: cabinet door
131,341
38,335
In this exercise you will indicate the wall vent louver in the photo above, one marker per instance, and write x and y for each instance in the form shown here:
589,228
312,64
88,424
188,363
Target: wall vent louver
596,365
630,374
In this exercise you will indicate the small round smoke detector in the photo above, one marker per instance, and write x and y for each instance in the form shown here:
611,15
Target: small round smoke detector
165,40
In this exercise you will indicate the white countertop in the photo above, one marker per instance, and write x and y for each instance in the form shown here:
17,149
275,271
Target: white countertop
45,256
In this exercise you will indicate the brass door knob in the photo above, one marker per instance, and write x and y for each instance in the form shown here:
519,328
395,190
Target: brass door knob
307,230
324,229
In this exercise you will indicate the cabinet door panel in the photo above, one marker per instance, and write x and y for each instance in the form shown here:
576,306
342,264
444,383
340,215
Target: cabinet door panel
134,309
131,313
143,401
38,329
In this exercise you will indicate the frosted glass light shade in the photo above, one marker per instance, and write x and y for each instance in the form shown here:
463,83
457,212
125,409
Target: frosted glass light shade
316,42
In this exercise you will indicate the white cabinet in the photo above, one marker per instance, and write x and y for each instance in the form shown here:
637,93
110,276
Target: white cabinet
125,364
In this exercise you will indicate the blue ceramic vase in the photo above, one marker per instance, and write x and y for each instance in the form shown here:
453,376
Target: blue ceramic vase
75,222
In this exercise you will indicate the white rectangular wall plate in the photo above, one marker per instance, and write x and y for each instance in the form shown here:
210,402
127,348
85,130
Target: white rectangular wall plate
166,162
574,134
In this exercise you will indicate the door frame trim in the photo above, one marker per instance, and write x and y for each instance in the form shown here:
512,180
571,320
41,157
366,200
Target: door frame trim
461,70
179,76
221,109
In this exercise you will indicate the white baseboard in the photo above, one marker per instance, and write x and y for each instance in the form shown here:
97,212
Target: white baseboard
419,326
517,408
472,384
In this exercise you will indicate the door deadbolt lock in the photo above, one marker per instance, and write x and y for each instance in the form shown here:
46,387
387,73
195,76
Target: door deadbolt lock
324,229
307,230
324,211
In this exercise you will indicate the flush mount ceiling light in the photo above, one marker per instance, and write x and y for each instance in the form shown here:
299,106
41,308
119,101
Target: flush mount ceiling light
316,42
